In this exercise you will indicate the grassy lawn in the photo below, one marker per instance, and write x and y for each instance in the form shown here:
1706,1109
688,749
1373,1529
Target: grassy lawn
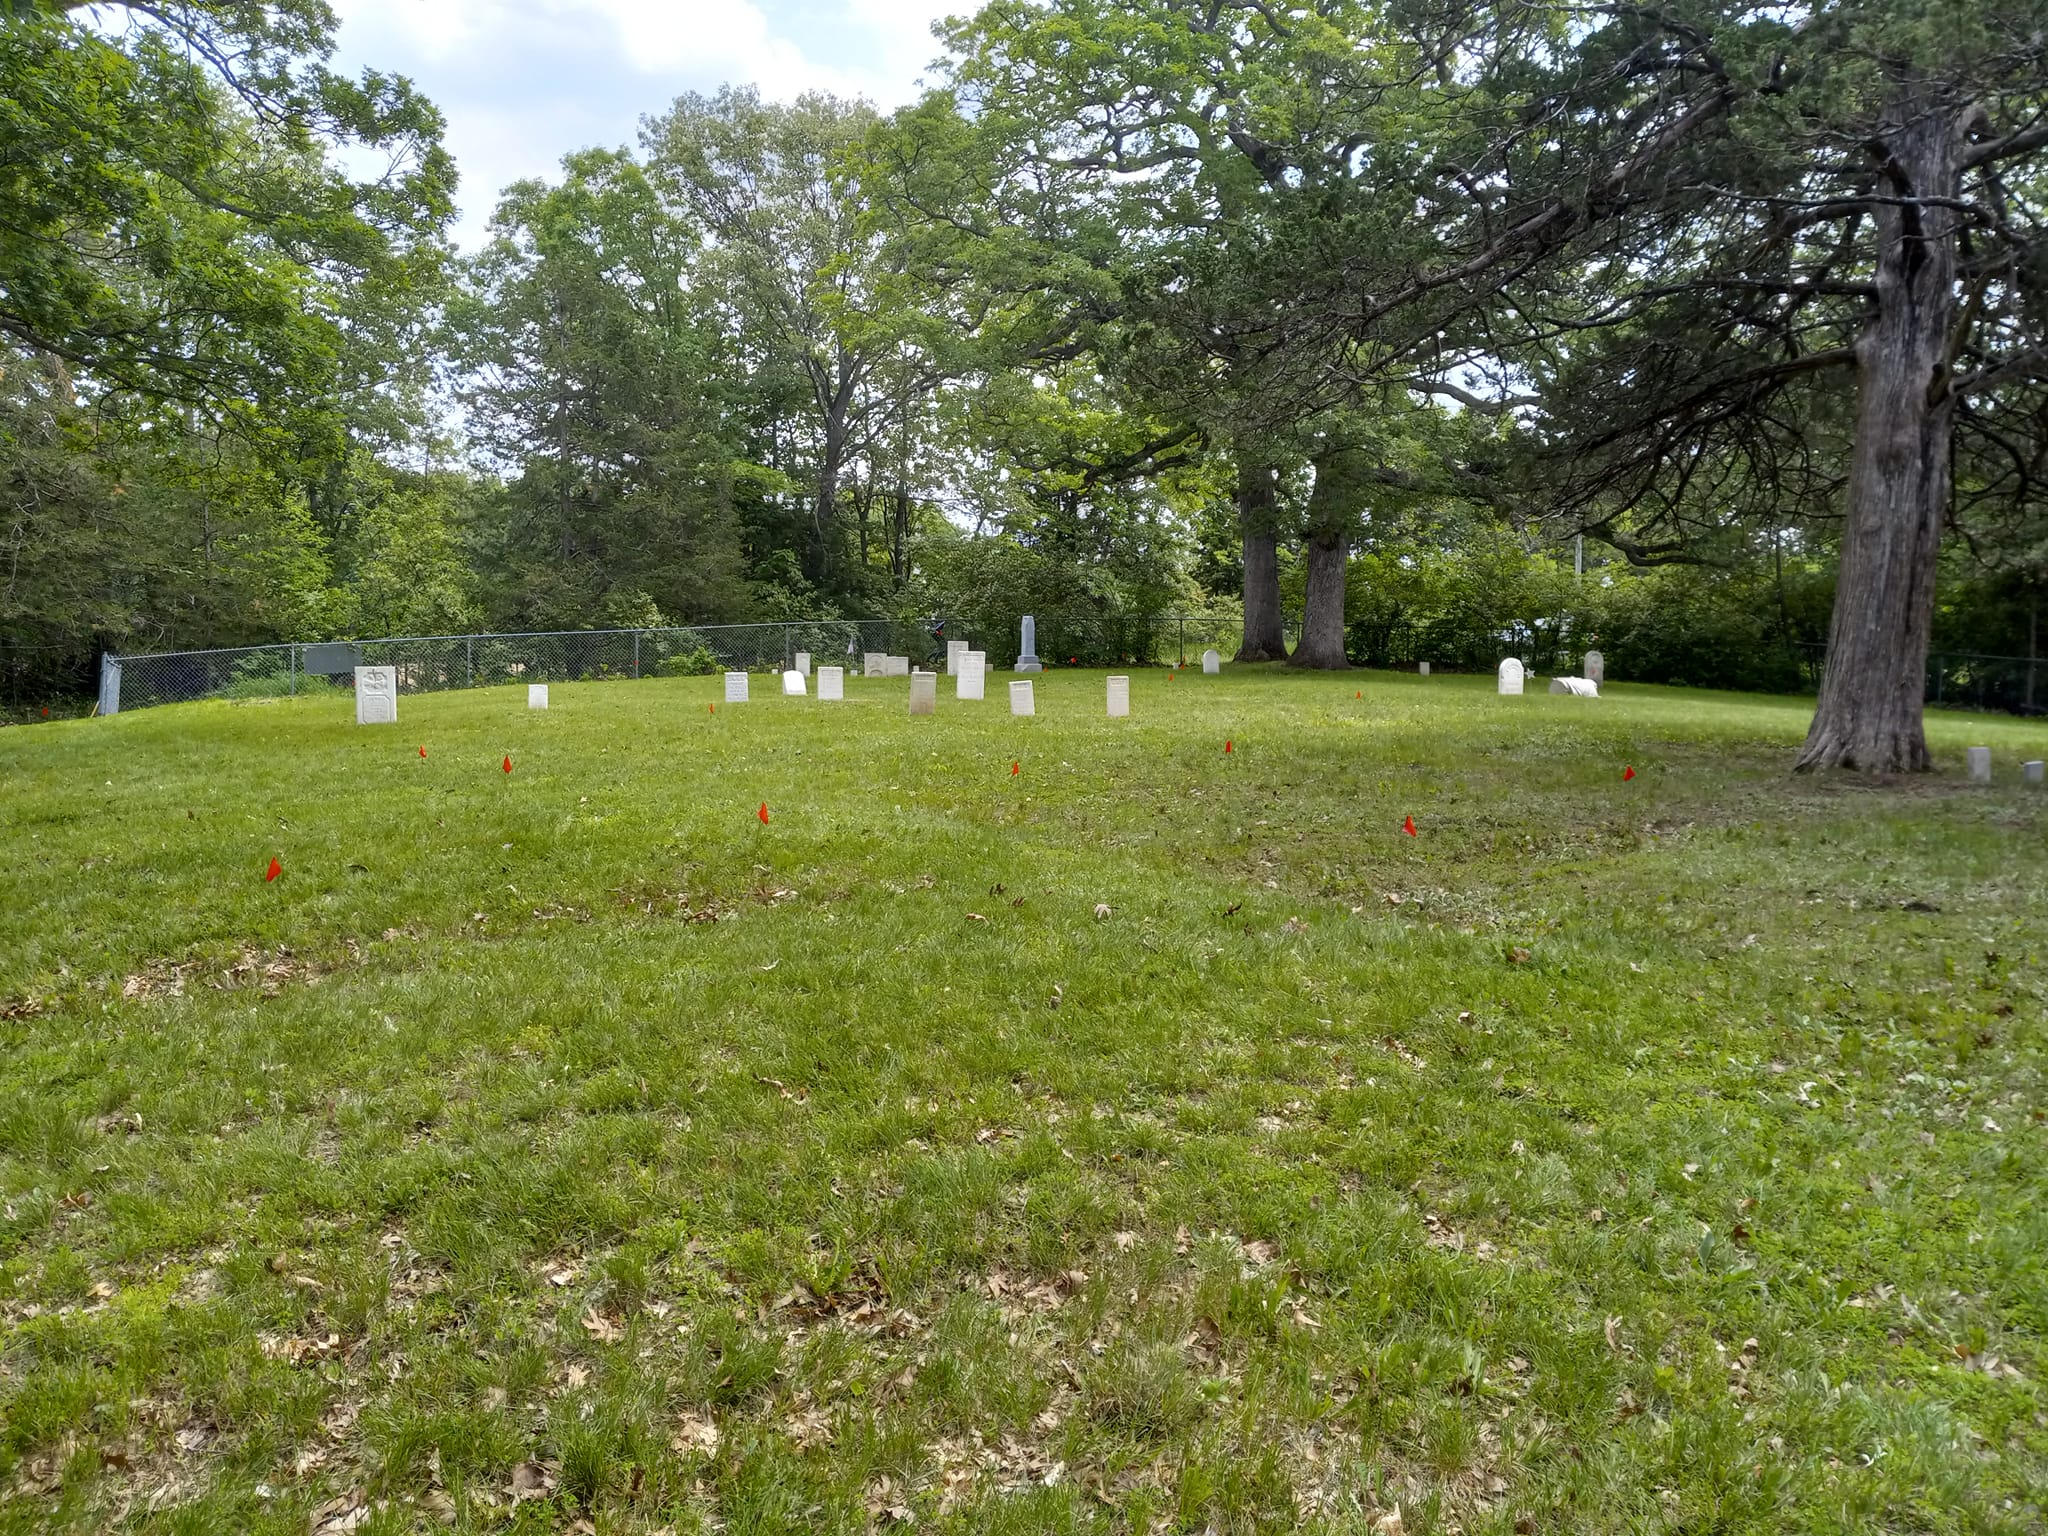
1153,1139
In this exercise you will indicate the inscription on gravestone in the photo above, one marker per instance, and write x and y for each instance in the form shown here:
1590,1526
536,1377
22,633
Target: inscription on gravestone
1119,698
1021,702
873,664
376,695
536,695
832,683
924,693
955,649
735,687
973,676
1511,677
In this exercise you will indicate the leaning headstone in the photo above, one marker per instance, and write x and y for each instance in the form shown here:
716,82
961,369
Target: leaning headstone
1595,668
735,687
1021,702
1212,663
793,684
1423,670
803,662
376,695
1511,677
924,693
1027,656
955,649
536,695
1580,687
1980,765
973,676
1119,698
2031,772
832,683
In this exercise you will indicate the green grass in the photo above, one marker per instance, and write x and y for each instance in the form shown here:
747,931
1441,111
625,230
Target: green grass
570,1146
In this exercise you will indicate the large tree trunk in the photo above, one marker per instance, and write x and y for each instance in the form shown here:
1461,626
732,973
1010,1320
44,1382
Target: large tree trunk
1333,509
1869,712
1258,512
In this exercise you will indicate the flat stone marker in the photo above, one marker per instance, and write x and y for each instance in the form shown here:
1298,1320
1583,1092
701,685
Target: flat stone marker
2031,772
1119,698
1980,765
803,662
1422,670
793,684
955,649
735,687
832,683
973,678
1021,702
536,695
376,695
1595,667
924,693
1581,687
1212,664
1511,677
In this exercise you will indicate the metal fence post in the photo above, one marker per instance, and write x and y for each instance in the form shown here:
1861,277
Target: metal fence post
292,660
1183,622
469,661
636,653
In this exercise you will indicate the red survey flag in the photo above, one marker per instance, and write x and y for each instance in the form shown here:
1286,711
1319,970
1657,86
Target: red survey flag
1015,769
763,813
1627,774
273,872
423,751
508,762
1408,826
714,709
1228,747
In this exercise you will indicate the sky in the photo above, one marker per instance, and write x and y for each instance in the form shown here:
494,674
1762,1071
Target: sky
524,82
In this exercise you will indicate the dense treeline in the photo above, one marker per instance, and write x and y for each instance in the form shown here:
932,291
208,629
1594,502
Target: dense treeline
1352,316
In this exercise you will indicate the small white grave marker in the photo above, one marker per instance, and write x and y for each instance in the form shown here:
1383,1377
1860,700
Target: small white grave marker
376,695
924,693
803,662
832,683
793,684
1211,663
973,676
1980,765
1596,667
1119,698
1021,702
536,695
1581,687
1422,670
2031,772
955,649
1511,677
735,687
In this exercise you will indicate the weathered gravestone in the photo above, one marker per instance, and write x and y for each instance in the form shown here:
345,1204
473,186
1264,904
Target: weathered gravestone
1581,687
955,649
924,693
793,684
1119,698
1212,664
536,695
1422,670
973,676
376,695
803,662
735,687
1980,765
1595,667
1027,657
873,664
1511,677
1021,702
2031,772
832,683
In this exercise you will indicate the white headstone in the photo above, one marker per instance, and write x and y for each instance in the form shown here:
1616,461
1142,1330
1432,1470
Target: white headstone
872,663
832,683
1211,663
1119,698
803,662
898,666
924,693
2031,772
536,695
735,687
1980,765
1511,676
1596,667
376,695
955,649
973,677
1423,669
1581,687
1020,698
793,684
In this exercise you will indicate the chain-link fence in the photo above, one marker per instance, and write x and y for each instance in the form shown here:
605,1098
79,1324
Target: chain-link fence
430,663
2014,685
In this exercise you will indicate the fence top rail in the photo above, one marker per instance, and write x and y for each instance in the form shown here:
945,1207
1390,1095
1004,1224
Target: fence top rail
218,650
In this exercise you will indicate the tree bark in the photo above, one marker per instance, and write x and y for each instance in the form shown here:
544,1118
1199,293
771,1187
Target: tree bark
1869,713
1333,509
1258,512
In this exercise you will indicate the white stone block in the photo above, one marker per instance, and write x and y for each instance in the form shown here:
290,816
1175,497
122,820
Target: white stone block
2031,772
1581,687
376,695
898,666
735,687
832,683
1511,677
793,684
1423,669
871,663
1021,702
924,693
536,695
955,649
803,662
1119,698
973,678
1980,765
1211,663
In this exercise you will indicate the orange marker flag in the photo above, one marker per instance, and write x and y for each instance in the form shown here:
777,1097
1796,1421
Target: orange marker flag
1357,693
273,872
1408,826
423,751
763,813
1228,748
714,709
508,762
1015,769
1627,774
